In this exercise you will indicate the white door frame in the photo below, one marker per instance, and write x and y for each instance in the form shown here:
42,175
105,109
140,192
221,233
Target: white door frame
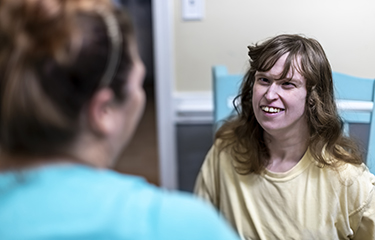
162,20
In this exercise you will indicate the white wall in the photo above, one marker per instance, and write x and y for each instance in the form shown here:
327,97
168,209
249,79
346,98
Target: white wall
345,28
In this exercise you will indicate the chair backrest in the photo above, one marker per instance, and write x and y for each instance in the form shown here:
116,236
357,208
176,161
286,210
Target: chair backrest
225,89
355,101
354,96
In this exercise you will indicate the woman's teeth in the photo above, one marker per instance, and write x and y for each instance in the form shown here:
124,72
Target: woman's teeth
271,109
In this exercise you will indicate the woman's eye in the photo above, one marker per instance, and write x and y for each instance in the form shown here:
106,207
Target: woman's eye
263,80
289,84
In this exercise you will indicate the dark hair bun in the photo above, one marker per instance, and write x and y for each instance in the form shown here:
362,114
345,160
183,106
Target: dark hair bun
35,27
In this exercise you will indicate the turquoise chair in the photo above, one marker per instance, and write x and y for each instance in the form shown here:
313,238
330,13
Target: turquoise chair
225,89
355,97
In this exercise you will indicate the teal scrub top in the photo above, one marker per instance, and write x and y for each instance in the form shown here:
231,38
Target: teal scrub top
79,202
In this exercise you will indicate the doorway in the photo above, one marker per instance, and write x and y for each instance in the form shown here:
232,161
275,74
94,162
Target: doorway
141,155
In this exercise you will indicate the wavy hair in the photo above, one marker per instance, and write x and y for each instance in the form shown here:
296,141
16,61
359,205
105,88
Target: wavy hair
243,135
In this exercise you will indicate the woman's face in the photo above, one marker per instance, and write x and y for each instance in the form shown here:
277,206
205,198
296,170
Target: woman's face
279,104
136,98
130,111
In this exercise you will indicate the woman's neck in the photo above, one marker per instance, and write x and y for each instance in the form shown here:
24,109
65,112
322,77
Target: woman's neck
80,154
286,151
11,162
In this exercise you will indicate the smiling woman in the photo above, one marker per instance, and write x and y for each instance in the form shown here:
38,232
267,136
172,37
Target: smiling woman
282,168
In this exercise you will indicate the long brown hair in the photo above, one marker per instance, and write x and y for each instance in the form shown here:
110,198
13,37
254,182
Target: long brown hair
53,55
243,135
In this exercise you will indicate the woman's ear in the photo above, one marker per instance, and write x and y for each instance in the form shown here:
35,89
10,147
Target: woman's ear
100,112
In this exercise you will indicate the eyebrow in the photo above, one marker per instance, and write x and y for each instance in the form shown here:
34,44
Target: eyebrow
260,74
264,74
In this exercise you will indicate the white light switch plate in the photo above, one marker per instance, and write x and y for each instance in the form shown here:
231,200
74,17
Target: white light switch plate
192,9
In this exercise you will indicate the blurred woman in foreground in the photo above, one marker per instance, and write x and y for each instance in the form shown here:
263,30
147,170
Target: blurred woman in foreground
71,97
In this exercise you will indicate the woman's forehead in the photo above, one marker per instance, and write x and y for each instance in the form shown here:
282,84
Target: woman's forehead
284,68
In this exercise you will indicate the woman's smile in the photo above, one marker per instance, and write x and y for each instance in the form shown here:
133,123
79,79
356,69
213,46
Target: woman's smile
270,109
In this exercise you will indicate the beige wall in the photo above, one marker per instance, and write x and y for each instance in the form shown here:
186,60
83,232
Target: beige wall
345,28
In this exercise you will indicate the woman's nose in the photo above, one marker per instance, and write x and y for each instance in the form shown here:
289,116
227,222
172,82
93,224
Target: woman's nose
272,92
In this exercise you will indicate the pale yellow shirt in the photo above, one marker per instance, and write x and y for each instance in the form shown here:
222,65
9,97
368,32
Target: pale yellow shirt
306,202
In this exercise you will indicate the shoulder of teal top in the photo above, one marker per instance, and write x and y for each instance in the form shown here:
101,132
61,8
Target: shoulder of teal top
126,204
